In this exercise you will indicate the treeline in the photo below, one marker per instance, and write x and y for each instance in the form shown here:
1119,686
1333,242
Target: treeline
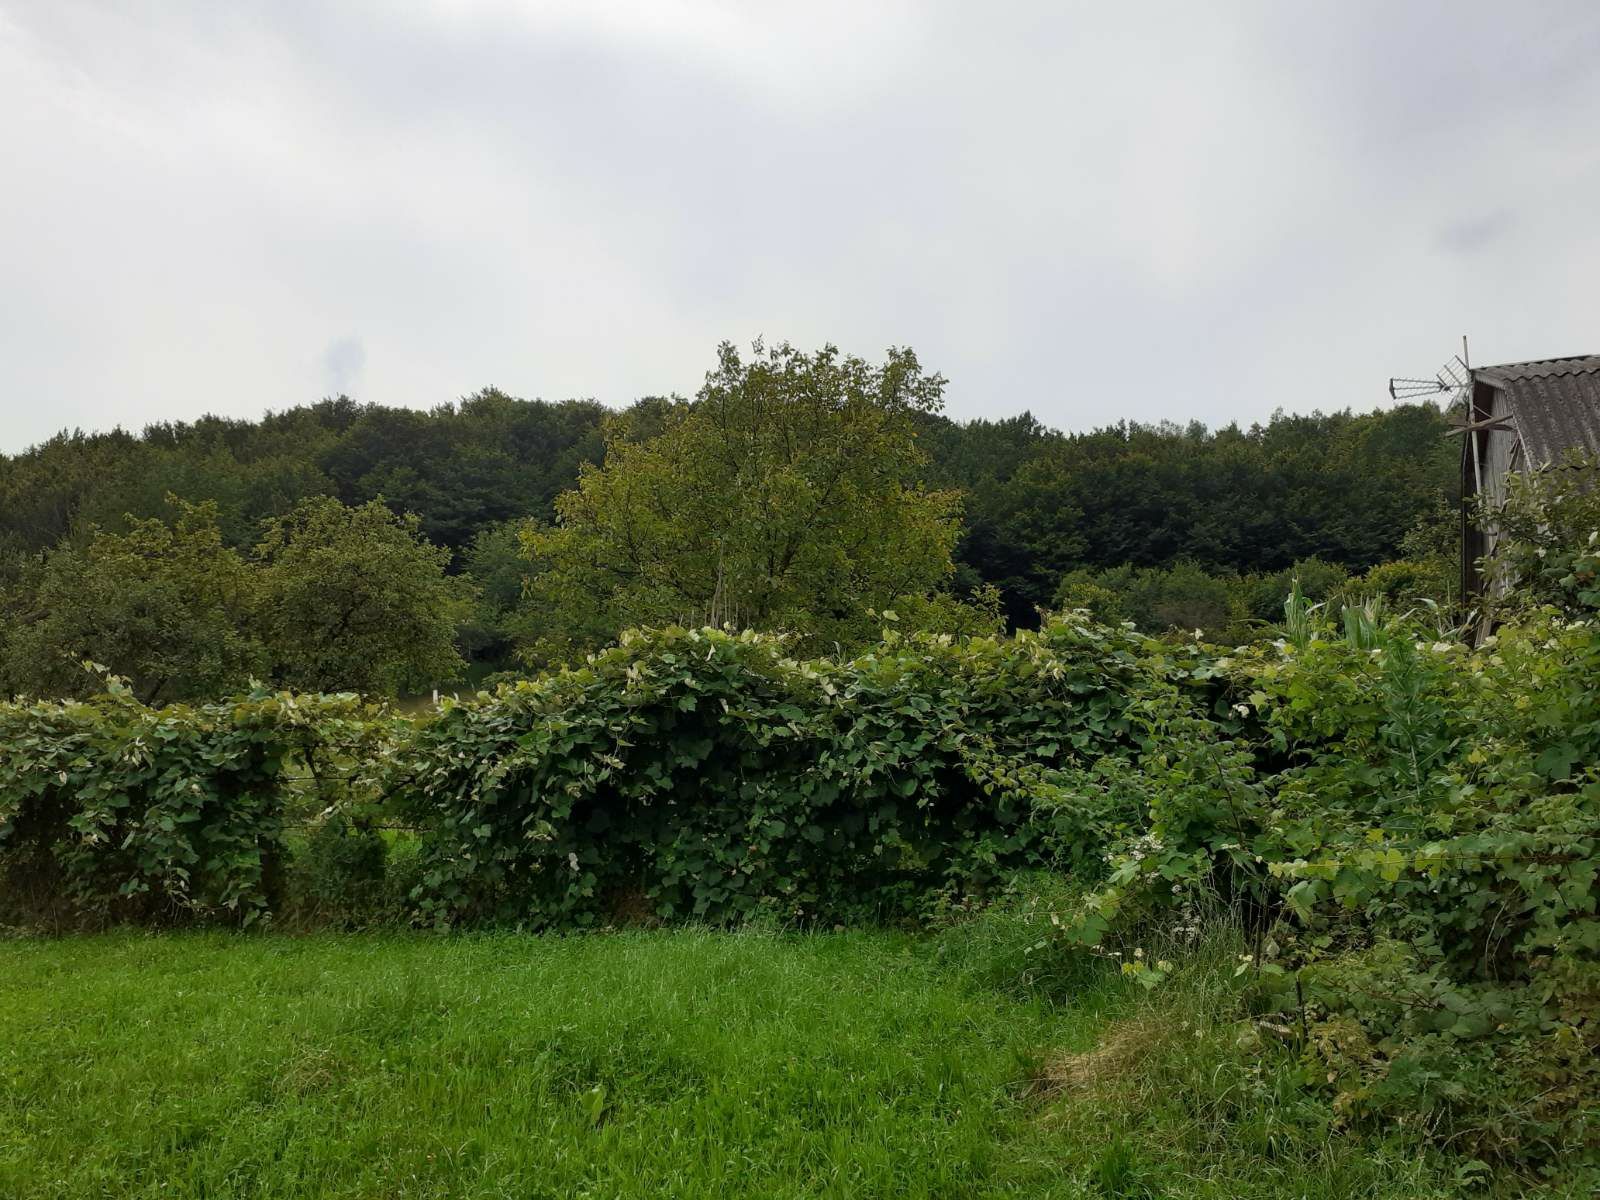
460,467
1343,488
844,491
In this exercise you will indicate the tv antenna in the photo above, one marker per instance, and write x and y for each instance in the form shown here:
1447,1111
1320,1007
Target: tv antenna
1451,379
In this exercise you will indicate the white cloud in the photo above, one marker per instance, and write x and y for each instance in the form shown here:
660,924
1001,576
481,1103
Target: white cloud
1091,211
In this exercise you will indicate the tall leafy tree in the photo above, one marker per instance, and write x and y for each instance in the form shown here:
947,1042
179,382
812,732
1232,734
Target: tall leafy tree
167,605
788,495
356,599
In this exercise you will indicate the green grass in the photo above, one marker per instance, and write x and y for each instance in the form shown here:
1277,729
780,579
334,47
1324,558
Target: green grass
681,1064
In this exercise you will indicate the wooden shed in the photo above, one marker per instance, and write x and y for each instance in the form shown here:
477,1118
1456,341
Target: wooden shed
1520,417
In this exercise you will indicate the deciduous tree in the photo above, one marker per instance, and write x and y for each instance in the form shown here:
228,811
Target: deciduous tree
166,605
356,599
787,496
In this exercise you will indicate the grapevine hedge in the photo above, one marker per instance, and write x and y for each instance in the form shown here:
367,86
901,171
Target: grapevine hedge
705,774
114,811
683,773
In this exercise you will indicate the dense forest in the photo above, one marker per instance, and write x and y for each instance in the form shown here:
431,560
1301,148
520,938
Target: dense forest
1169,525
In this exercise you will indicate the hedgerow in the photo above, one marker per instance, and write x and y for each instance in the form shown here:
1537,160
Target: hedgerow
111,810
707,774
682,773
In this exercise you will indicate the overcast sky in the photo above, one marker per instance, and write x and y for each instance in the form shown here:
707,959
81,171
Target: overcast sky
1093,211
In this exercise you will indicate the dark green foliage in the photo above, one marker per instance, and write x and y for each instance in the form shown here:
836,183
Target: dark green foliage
331,598
1340,487
467,466
357,599
500,620
1038,503
1232,608
1184,598
1260,596
341,876
169,606
698,773
111,810
460,467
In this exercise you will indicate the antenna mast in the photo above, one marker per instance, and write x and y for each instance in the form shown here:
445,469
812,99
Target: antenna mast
1452,379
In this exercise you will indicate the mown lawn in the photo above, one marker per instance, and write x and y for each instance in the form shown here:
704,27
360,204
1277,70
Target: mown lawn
680,1063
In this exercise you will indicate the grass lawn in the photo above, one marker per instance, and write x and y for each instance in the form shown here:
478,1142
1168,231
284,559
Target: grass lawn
682,1063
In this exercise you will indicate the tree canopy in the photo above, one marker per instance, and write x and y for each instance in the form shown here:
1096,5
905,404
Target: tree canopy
332,598
166,605
786,496
356,599
797,490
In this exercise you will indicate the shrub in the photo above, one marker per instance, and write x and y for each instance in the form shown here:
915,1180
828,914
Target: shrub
1410,832
1184,597
1549,550
1407,582
713,776
111,810
339,875
1262,595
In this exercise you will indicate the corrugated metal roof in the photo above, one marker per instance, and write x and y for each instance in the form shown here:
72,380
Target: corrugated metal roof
1555,401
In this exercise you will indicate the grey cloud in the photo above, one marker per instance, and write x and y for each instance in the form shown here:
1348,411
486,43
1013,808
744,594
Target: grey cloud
1092,211
342,363
1470,236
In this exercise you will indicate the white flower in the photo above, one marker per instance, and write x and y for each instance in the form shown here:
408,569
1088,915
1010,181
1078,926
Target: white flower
572,861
